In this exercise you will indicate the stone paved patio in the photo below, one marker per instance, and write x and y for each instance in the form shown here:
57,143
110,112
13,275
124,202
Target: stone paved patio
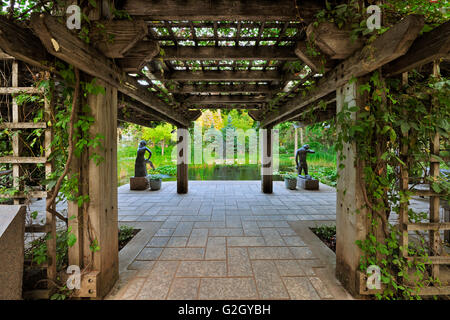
224,240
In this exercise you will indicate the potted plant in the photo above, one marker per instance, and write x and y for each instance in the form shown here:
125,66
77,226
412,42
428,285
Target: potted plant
155,181
290,180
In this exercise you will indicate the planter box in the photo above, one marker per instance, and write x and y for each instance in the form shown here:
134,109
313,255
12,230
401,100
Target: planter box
332,41
155,184
290,184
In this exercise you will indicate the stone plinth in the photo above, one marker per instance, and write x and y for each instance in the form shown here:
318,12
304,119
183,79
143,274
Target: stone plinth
12,228
138,183
307,184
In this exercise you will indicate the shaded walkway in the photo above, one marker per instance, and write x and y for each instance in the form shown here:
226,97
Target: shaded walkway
226,240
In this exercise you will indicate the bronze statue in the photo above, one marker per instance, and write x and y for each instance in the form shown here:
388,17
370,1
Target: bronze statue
300,159
140,166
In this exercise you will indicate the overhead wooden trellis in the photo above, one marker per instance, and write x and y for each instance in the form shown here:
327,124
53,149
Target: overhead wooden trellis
177,57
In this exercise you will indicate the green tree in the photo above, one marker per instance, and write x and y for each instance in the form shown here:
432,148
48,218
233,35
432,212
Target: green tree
160,134
239,119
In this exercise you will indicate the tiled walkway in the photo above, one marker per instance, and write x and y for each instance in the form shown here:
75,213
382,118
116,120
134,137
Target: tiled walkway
224,240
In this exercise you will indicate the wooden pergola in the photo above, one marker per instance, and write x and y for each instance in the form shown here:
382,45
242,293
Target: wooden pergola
174,58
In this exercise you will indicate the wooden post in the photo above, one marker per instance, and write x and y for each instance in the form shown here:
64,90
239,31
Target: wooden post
182,160
50,217
96,223
16,143
435,238
267,161
404,180
295,139
350,225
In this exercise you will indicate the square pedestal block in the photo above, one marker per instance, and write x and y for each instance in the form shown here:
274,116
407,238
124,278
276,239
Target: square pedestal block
12,229
308,184
139,183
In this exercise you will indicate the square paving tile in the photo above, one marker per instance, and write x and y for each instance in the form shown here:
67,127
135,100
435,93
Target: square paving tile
245,241
258,253
198,238
158,242
164,232
239,262
182,254
321,288
141,265
227,288
177,242
157,285
268,280
226,232
202,269
184,289
302,253
149,254
300,288
215,248
132,289
294,241
289,268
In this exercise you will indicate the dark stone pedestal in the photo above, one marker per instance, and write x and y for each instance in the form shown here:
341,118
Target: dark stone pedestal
138,183
307,184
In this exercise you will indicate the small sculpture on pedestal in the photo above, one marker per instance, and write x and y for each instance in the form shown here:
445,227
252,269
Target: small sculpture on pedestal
140,166
306,181
140,181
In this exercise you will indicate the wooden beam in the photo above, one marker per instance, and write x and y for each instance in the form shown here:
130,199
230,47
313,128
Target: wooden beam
223,10
21,43
389,46
256,115
315,63
244,106
201,99
21,160
427,48
114,38
317,116
142,109
193,114
23,125
60,42
221,76
141,122
142,53
18,90
125,117
228,53
247,88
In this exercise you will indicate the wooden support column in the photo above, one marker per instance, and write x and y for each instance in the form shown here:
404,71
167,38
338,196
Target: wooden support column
50,220
16,143
295,139
266,161
96,223
404,180
182,160
435,238
350,225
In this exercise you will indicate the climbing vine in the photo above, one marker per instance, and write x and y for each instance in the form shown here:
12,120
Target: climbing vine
396,114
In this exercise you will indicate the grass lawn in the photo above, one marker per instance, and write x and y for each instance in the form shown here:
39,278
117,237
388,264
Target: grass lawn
322,165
